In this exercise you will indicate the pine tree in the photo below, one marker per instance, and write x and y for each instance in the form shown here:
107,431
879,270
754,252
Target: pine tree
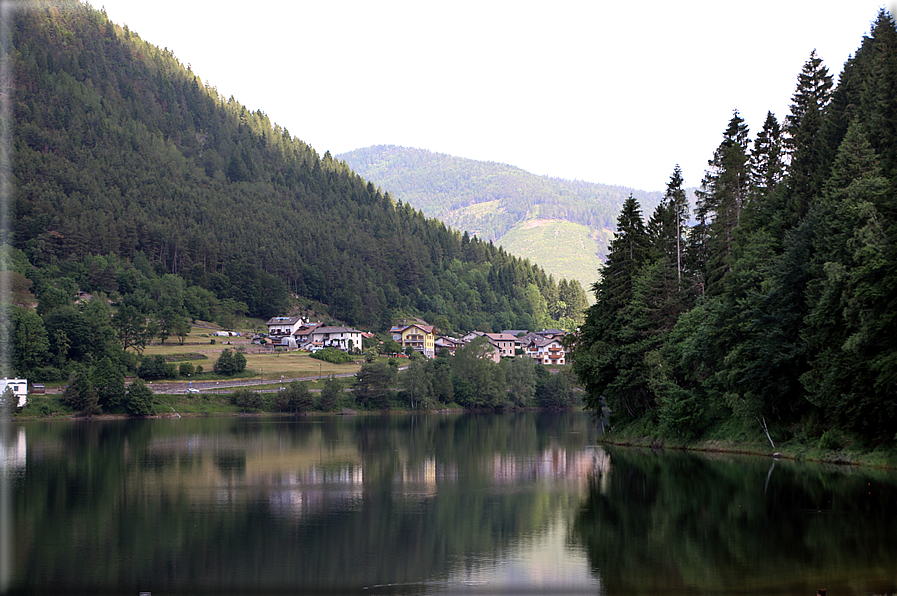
767,158
596,351
722,197
850,328
667,227
109,383
803,141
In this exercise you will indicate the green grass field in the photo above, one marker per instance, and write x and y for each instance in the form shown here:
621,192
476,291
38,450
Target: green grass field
269,365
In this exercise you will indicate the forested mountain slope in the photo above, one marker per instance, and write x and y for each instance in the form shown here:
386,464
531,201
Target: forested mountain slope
447,187
120,149
528,215
777,309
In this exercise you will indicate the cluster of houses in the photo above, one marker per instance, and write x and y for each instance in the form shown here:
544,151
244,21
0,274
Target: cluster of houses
297,332
545,346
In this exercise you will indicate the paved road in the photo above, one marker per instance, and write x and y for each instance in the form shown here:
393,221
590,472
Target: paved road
219,386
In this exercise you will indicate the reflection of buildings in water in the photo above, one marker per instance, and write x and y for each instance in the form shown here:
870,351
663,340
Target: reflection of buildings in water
13,450
601,468
317,490
322,488
554,463
301,481
429,472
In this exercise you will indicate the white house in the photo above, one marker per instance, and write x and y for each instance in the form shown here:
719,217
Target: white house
303,335
343,338
547,351
281,326
19,389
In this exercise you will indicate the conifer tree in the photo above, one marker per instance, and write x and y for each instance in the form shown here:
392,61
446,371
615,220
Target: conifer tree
849,327
667,226
803,141
722,197
767,158
597,349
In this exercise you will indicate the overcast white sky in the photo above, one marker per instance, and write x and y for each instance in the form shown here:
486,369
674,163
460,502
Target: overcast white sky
605,91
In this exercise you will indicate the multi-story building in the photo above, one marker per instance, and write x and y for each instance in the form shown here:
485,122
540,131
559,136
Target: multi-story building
504,343
343,338
547,351
279,327
420,337
448,343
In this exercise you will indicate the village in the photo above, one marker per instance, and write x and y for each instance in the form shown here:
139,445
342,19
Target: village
410,338
545,347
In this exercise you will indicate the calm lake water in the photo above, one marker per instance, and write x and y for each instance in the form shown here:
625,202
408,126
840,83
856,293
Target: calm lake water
433,504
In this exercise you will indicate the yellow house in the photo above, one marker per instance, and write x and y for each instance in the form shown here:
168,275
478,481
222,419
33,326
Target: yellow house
419,337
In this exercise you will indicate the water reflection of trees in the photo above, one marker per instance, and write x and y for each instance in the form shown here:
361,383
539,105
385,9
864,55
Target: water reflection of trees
685,523
244,504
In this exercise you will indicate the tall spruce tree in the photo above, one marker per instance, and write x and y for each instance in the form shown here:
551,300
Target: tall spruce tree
724,192
850,327
596,353
803,141
767,158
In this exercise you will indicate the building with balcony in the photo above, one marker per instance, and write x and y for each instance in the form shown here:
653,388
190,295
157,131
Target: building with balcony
417,336
547,351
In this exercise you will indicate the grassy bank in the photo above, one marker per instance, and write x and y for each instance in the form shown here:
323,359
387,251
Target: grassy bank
735,437
213,402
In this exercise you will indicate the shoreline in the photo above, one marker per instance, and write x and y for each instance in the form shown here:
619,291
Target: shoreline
792,450
886,460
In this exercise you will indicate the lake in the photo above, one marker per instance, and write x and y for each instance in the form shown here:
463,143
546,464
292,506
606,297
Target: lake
425,504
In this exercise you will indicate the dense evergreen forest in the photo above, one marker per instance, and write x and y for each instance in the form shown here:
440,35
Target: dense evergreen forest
777,309
128,168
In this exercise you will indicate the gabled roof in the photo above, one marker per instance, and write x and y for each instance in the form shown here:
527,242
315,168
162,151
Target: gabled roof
500,337
540,343
283,321
403,328
307,328
328,329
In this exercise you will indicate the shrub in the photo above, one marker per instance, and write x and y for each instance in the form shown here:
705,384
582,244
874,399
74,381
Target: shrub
80,395
139,399
247,400
329,394
152,367
280,402
831,440
333,356
230,363
186,369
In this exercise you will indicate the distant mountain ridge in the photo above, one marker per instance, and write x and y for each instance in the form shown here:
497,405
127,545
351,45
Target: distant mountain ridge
563,225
